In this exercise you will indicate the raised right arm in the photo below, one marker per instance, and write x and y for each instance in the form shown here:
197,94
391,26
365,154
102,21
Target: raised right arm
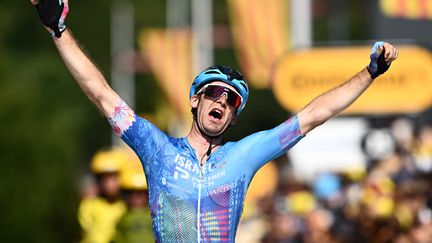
88,76
53,14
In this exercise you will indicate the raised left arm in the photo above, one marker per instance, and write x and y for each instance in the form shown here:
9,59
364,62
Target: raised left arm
334,101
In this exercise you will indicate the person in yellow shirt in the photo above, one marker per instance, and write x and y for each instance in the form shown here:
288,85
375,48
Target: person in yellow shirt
135,226
99,215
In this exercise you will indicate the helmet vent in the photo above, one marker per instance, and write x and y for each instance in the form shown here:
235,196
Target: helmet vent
211,72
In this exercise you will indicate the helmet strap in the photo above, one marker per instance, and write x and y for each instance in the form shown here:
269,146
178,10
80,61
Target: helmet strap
209,148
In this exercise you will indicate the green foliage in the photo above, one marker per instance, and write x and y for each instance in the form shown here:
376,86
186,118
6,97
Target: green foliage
49,129
41,129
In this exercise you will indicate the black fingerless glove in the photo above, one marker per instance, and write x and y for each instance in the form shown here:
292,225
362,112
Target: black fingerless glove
377,65
53,14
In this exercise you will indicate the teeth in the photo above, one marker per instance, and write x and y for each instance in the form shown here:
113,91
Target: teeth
217,111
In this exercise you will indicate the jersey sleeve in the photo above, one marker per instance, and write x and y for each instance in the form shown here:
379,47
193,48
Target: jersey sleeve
261,147
141,135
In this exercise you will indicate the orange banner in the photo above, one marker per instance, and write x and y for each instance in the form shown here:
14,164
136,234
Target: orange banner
261,34
410,9
169,55
301,76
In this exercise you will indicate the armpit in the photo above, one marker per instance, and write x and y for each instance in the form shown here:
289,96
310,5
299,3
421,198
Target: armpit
122,118
289,133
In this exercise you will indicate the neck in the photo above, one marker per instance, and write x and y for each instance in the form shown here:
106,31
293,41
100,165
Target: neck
110,199
202,142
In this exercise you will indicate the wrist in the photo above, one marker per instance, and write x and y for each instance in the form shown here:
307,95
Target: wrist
372,69
56,33
367,72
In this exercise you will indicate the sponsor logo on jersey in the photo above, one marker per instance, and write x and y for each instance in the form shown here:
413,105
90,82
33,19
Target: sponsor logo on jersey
185,166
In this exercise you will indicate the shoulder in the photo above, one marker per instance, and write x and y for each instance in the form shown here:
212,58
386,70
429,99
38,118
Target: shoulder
282,134
97,202
122,117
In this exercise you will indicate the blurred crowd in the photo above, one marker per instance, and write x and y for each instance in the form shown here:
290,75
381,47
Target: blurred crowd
389,200
114,206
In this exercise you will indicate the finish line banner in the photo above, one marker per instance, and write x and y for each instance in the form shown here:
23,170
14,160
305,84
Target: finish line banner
302,75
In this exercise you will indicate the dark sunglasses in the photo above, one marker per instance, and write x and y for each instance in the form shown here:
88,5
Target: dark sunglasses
213,91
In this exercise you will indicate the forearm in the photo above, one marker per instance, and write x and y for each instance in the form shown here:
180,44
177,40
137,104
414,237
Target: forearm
87,75
333,101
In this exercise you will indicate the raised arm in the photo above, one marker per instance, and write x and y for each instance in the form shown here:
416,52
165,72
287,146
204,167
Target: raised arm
89,78
334,101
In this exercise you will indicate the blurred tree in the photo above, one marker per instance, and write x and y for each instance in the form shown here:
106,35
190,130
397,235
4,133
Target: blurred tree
49,129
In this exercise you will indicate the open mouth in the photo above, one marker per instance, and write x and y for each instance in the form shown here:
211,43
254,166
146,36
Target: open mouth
216,113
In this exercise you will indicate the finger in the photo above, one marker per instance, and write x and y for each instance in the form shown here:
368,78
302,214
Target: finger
388,51
388,45
379,50
34,2
390,62
390,56
393,53
394,56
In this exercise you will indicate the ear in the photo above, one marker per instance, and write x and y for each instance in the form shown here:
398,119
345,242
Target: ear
194,101
233,120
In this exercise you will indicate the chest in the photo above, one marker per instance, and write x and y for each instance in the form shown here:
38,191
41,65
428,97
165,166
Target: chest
182,173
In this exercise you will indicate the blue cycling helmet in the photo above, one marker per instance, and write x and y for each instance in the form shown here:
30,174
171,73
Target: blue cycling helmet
225,74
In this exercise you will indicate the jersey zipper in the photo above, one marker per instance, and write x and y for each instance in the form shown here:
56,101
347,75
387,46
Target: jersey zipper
199,204
200,179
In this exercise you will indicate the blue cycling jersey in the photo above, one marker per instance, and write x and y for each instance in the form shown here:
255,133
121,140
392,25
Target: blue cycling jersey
193,203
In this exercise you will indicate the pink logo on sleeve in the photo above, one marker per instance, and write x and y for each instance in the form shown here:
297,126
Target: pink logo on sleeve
122,117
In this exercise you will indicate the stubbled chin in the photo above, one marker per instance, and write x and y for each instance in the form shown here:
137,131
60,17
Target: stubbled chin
215,126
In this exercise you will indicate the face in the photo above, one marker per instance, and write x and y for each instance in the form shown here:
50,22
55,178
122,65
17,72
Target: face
214,115
137,198
109,184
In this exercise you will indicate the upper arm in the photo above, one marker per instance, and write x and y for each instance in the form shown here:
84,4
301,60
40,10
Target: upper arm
138,133
306,120
104,98
87,75
266,145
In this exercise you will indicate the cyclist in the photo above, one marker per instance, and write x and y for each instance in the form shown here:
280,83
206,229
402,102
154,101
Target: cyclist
197,184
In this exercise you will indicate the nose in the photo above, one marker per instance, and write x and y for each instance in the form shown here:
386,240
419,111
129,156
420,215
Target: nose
223,99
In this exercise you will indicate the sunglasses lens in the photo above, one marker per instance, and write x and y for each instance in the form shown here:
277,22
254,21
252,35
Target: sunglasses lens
214,92
233,99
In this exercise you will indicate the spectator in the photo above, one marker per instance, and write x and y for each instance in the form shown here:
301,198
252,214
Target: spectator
135,225
98,215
